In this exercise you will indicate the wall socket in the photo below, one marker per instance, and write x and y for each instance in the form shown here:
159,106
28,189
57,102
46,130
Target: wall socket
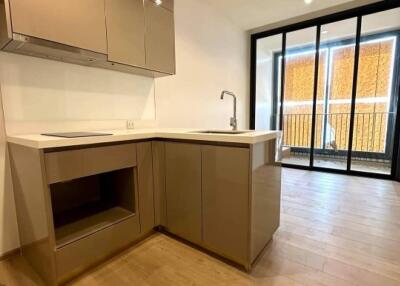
130,124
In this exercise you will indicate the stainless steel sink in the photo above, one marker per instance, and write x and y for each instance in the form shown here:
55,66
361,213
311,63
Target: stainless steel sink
230,132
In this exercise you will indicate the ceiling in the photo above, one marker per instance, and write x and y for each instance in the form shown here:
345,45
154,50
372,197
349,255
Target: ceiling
251,14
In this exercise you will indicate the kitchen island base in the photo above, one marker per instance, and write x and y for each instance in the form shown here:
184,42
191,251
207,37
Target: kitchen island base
79,205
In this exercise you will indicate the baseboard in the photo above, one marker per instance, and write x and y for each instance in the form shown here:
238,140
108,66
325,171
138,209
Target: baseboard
10,253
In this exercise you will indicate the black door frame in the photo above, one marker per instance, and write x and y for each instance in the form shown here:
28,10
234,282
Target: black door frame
277,59
358,12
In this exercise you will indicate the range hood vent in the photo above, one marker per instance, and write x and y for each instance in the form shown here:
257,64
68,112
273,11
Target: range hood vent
31,46
50,50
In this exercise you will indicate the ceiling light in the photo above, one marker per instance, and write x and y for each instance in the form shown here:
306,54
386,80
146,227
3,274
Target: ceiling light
159,2
308,1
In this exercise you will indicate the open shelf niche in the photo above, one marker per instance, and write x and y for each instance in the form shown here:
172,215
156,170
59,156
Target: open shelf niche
89,204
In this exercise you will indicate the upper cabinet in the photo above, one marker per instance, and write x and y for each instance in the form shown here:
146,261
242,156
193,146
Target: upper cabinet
135,36
125,32
160,37
75,23
167,4
141,34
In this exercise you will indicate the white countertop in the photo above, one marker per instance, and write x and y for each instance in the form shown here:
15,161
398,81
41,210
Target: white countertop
41,141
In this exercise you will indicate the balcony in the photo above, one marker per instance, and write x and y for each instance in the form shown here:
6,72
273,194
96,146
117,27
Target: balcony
370,150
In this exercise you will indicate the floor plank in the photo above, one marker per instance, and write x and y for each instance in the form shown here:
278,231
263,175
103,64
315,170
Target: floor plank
335,230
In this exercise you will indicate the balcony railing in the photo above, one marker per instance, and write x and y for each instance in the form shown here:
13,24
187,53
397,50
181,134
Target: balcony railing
332,131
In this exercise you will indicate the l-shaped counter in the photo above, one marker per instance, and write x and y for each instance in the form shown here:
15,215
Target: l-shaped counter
80,200
40,141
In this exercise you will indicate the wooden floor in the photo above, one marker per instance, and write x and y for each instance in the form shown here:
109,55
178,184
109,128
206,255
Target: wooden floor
335,230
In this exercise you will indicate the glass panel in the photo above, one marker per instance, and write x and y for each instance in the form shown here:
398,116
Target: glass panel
269,49
375,109
337,46
298,95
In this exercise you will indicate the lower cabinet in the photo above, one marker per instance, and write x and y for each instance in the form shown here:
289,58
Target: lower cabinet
207,197
225,199
77,206
145,186
183,190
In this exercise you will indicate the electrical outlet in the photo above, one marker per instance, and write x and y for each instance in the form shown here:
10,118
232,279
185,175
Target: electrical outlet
130,124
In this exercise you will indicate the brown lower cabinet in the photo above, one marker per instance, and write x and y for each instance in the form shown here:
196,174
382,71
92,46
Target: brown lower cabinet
223,198
144,153
183,190
78,205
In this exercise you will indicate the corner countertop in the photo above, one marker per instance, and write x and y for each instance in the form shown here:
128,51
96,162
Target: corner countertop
38,141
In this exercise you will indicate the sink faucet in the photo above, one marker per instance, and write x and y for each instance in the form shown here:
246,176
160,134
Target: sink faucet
233,121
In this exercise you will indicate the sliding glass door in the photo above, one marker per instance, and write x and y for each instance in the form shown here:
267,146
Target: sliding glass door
377,93
299,65
333,114
332,88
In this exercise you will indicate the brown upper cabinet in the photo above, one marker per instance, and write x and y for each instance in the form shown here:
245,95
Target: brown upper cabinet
125,32
167,4
160,38
75,23
134,36
141,35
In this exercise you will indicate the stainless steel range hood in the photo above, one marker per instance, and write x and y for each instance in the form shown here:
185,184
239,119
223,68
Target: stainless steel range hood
36,47
50,50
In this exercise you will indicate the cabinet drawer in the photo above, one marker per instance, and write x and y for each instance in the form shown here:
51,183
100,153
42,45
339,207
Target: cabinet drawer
71,164
75,257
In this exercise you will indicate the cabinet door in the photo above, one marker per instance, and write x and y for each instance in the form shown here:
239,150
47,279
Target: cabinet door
160,38
225,194
72,22
160,201
145,184
125,31
183,190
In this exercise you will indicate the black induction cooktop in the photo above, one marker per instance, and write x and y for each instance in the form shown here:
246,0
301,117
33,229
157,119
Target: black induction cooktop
75,134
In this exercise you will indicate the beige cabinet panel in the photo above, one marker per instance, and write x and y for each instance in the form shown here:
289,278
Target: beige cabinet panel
183,190
78,23
33,209
145,183
160,38
225,192
265,195
125,31
160,201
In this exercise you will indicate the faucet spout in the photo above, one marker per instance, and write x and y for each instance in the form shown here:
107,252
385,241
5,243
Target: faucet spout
233,121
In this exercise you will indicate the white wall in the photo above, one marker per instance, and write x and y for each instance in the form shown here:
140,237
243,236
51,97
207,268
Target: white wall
211,55
266,48
41,95
9,239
